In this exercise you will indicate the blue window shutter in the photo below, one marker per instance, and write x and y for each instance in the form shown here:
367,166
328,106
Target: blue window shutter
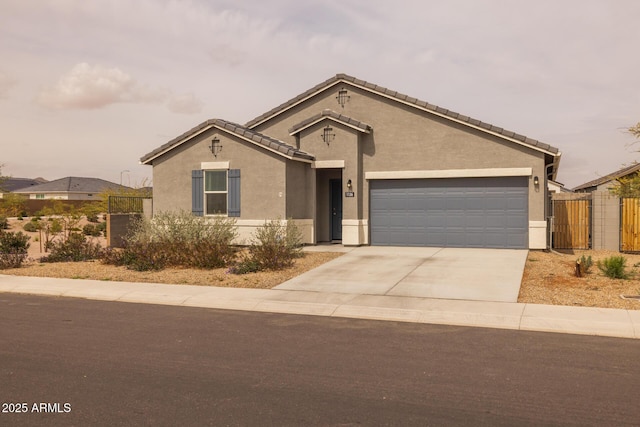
197,192
234,193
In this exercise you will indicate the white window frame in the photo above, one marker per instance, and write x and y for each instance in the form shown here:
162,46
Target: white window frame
226,192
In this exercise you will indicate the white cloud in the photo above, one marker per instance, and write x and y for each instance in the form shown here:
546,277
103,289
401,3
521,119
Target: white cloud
88,87
6,83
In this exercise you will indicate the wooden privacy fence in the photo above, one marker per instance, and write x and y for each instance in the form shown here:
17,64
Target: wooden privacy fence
630,225
571,224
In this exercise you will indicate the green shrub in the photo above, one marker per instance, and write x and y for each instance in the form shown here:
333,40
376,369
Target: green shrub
614,267
275,246
91,230
73,249
92,217
13,249
31,226
4,222
245,265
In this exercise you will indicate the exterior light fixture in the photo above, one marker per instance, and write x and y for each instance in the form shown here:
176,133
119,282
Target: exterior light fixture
327,134
536,181
215,146
342,97
349,185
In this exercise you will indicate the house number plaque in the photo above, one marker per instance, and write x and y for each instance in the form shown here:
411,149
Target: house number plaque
349,194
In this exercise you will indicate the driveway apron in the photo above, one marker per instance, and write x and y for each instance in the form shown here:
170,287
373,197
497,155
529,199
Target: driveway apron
448,273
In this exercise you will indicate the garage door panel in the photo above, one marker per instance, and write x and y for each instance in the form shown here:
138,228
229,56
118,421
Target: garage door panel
457,212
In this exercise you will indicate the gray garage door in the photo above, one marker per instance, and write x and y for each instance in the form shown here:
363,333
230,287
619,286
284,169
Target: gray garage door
451,212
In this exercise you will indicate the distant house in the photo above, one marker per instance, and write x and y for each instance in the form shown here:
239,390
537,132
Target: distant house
607,181
9,185
557,187
70,188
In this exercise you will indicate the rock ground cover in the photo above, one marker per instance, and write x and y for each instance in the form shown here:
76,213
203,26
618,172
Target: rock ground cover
548,277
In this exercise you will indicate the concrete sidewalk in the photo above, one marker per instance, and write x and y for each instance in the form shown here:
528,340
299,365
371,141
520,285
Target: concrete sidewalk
526,317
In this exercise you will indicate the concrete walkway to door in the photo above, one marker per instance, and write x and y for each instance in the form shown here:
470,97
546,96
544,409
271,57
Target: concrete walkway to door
448,273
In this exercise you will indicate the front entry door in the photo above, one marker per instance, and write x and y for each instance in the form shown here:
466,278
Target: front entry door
335,186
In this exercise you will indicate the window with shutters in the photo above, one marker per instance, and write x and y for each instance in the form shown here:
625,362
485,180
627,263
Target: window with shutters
215,192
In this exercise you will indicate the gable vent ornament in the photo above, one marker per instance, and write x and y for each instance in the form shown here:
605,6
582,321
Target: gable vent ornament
343,97
327,134
215,146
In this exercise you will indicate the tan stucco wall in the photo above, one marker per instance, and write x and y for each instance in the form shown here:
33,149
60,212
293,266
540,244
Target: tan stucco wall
300,194
404,138
262,175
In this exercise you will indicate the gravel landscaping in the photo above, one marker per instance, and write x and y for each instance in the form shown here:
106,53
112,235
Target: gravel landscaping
549,277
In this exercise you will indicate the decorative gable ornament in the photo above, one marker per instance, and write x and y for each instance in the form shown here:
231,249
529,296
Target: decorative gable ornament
343,97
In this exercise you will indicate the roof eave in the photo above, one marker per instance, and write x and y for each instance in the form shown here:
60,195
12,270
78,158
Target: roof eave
294,156
344,79
296,130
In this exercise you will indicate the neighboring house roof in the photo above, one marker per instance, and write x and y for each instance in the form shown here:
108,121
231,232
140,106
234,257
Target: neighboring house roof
434,109
13,184
237,130
72,184
628,170
560,186
332,115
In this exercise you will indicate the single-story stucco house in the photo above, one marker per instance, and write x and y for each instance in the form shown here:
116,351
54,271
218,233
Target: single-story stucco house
609,180
360,164
70,188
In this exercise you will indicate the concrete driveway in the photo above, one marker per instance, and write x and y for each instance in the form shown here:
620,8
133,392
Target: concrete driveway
449,273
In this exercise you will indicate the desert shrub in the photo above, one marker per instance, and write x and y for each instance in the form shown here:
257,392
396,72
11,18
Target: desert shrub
137,256
102,227
585,264
92,218
275,246
73,249
4,222
178,239
245,265
614,267
209,254
31,226
13,249
91,230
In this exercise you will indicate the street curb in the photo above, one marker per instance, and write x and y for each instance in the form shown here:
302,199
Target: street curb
500,315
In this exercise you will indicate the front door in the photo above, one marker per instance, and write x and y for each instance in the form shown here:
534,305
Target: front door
335,186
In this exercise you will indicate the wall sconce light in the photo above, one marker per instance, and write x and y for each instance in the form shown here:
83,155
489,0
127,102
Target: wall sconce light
342,97
349,185
328,135
536,181
215,146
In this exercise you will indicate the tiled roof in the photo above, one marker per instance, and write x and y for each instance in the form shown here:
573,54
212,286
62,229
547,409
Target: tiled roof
234,129
341,118
13,184
71,184
407,100
610,177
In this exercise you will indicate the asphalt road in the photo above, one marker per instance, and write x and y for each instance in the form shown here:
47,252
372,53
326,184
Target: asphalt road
105,363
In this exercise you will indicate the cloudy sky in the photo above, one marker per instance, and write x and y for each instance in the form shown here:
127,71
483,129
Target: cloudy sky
88,87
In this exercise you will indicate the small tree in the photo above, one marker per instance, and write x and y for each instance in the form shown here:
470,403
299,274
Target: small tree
13,249
12,204
628,186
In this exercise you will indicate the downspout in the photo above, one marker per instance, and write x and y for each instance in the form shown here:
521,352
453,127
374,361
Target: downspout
549,215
